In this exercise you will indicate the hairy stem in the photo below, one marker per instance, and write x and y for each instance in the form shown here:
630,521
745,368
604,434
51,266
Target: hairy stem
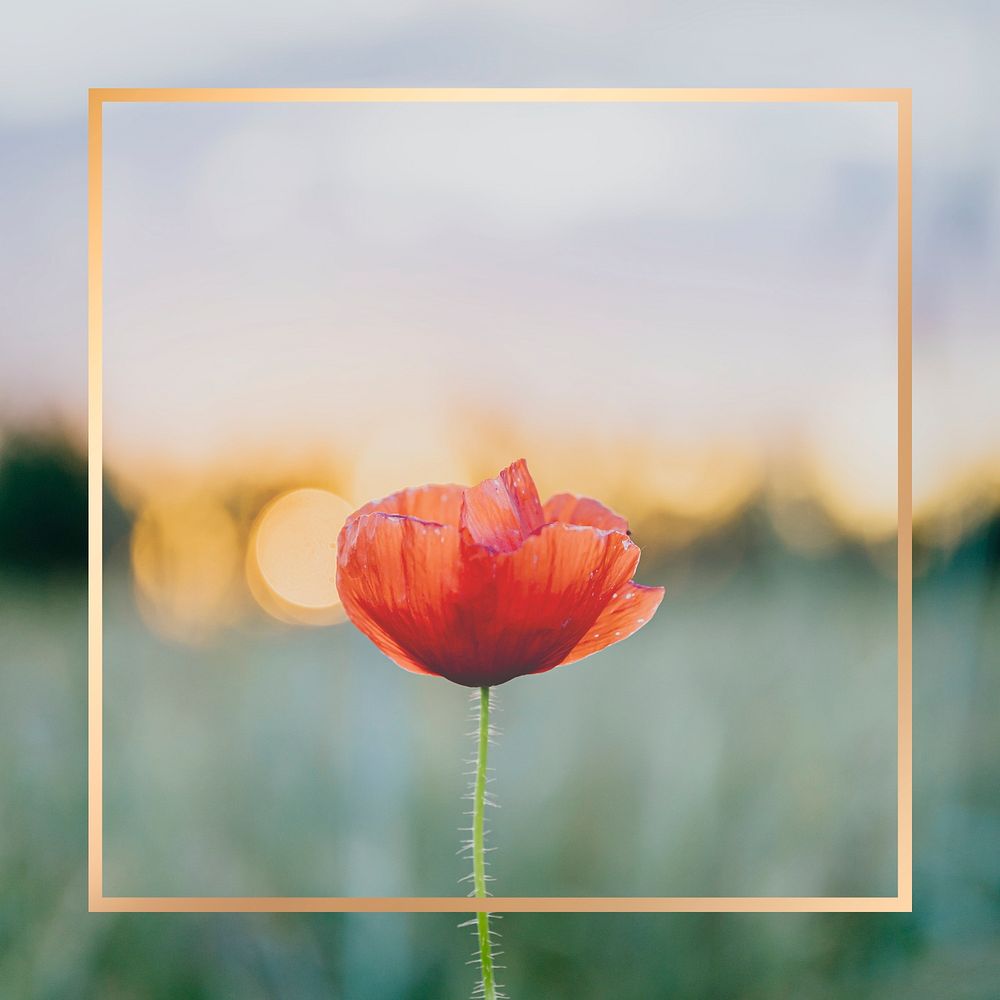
488,989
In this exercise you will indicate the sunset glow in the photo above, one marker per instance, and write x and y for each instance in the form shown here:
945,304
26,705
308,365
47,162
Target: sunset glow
291,556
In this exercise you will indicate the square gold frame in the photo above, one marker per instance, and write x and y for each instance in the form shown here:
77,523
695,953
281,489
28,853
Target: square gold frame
901,902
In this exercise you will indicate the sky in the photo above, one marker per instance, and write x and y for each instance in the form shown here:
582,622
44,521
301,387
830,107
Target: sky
403,220
674,274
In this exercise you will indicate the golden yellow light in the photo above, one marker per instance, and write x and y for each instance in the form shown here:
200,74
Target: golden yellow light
185,565
292,557
416,450
707,484
850,456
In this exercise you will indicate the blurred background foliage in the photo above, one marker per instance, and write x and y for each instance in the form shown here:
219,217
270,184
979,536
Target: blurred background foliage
946,948
43,503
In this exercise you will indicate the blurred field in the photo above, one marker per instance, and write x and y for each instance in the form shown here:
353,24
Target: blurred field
743,744
284,760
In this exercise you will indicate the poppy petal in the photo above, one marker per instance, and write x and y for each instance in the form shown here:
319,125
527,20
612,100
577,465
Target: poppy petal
583,510
525,610
397,577
478,586
438,504
500,513
626,612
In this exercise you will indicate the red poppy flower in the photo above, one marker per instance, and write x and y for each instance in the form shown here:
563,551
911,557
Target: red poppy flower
484,584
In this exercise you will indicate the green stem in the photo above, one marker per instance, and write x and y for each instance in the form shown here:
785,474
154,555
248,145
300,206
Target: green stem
489,990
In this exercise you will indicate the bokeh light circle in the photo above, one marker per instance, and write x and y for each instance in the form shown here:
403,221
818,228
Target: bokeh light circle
292,556
185,564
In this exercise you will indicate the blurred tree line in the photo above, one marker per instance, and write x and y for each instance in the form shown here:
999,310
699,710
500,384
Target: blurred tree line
43,505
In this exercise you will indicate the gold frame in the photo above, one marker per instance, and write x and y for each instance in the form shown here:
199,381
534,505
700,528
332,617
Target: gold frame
901,902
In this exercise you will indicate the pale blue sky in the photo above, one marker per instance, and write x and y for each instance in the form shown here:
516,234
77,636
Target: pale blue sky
943,51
